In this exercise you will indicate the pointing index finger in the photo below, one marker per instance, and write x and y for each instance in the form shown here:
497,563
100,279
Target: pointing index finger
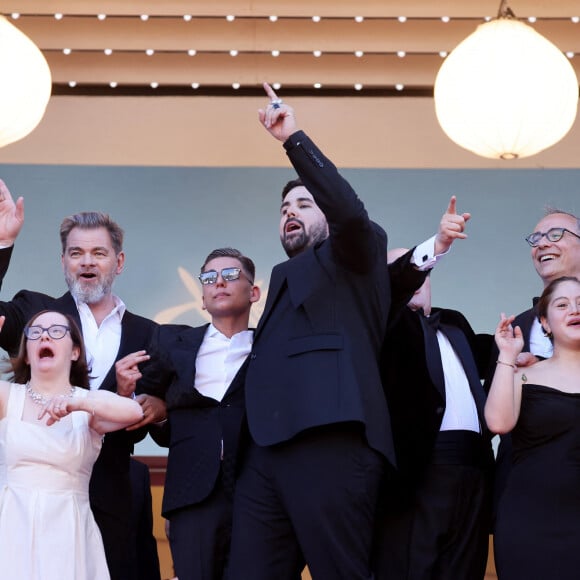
451,208
270,92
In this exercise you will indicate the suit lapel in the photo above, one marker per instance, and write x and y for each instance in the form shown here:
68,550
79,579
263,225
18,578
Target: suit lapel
131,341
433,356
295,273
277,279
185,352
238,381
526,323
67,305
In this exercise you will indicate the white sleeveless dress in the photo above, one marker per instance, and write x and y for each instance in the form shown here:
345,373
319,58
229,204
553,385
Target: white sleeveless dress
47,529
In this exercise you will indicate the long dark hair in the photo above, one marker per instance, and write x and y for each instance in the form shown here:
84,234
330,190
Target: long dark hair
79,371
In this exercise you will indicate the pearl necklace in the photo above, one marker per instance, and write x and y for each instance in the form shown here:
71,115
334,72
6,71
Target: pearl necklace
40,399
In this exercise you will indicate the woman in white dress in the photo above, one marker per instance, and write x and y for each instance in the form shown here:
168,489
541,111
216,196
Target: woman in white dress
51,428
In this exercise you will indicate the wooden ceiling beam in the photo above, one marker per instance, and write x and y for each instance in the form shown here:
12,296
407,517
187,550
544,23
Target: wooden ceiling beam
248,69
421,36
295,8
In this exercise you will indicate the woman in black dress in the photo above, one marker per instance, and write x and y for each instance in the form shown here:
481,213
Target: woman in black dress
537,534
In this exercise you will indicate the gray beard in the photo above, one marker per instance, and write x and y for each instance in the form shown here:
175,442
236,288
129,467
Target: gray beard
88,295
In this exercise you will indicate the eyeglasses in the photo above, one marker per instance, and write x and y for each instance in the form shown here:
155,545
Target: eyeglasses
55,331
228,274
552,235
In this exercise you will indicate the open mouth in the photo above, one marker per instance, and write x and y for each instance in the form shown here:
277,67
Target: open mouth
46,352
292,226
88,275
547,258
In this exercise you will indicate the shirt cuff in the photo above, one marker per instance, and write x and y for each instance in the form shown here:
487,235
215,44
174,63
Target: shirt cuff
424,255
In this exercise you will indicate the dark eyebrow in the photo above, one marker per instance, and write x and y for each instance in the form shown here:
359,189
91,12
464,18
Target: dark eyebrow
95,249
298,199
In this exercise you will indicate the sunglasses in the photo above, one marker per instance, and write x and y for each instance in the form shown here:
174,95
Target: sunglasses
227,274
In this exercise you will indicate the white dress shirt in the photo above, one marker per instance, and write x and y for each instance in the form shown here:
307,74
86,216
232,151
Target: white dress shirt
540,345
460,409
101,342
218,360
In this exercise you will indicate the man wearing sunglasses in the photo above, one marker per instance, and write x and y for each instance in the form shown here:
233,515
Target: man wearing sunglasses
205,402
320,435
555,252
92,258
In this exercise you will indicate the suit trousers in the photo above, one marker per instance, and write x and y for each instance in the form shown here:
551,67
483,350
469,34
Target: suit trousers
443,534
311,500
199,537
116,539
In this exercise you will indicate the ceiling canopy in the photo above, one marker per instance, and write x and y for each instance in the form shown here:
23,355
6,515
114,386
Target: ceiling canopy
314,46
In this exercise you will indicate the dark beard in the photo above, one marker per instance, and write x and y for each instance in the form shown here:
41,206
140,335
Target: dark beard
298,243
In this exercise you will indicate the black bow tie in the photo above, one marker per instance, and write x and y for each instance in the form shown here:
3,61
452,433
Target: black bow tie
433,320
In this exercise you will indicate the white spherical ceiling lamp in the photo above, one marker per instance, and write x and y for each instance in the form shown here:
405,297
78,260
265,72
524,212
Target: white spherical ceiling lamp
506,92
26,84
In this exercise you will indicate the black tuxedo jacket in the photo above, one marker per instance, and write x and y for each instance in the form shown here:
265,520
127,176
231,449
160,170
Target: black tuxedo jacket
416,398
197,424
316,348
525,320
110,486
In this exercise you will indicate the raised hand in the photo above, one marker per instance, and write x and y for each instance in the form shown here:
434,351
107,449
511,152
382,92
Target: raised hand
11,216
128,373
451,227
278,118
509,340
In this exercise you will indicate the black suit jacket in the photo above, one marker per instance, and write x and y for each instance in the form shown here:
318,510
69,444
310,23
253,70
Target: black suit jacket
110,486
316,348
525,320
197,424
416,398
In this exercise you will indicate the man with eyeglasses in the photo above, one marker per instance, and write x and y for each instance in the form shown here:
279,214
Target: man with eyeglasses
115,340
555,252
205,369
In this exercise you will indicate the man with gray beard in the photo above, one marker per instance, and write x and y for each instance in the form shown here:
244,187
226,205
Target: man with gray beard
115,340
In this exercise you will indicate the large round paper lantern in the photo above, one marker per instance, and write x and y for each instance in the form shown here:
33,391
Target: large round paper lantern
506,91
25,84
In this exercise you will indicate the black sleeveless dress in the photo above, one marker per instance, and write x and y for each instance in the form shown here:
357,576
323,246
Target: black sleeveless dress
537,534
